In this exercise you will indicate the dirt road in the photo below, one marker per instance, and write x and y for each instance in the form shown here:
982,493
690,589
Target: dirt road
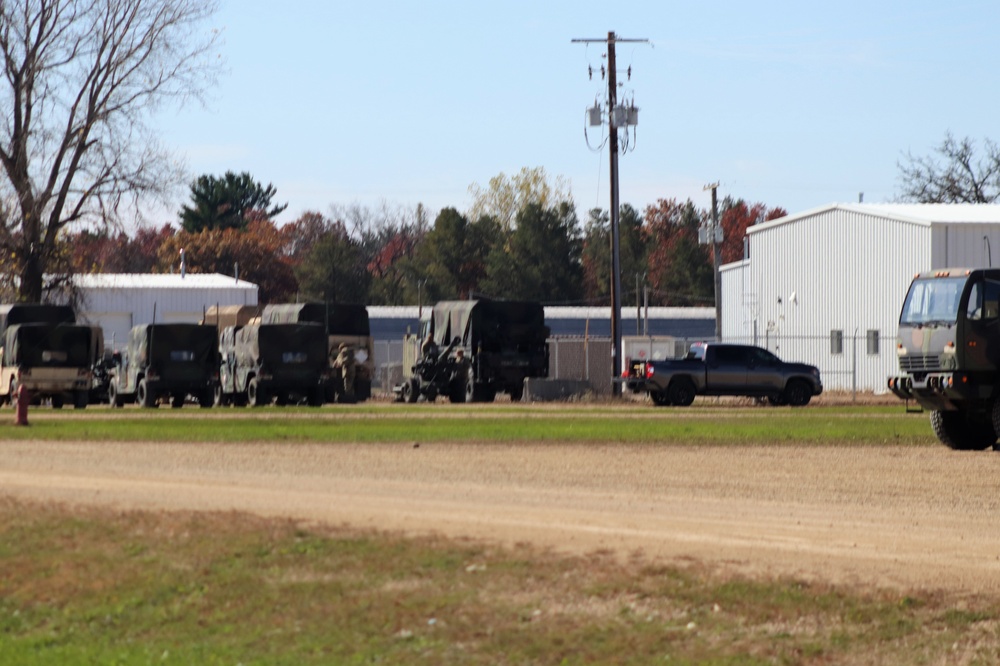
913,517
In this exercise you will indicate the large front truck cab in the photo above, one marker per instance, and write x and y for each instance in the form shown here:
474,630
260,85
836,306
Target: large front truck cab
948,343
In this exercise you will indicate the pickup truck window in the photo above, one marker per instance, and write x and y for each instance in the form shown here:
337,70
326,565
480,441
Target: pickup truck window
764,357
733,355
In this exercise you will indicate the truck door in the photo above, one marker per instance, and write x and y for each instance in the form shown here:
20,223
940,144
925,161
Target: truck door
726,367
982,326
763,374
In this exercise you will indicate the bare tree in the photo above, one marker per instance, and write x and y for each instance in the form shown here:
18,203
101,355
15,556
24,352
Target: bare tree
955,176
81,78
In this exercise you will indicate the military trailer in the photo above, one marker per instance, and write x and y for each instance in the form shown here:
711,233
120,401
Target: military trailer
345,324
472,350
284,363
166,362
44,350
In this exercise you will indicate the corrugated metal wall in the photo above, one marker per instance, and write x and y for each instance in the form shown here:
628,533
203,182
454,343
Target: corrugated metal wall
838,270
115,308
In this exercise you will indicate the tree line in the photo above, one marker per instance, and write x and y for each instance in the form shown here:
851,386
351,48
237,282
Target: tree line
525,243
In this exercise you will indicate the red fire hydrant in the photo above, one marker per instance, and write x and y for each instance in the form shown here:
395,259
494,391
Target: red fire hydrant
23,398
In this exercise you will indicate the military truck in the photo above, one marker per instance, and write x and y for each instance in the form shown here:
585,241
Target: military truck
472,350
44,350
948,348
166,362
285,363
345,324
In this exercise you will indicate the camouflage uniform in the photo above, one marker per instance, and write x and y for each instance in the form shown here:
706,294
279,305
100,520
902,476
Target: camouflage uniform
345,363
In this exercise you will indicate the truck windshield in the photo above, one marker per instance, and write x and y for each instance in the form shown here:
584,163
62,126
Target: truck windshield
933,301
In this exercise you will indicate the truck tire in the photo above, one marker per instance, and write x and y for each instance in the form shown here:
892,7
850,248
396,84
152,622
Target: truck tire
659,398
206,398
57,402
681,392
177,400
316,396
517,392
256,396
957,432
143,397
114,399
81,399
797,393
469,386
410,391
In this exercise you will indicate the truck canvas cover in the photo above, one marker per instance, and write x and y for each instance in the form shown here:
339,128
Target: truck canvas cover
178,351
288,351
22,313
340,318
40,345
230,315
489,324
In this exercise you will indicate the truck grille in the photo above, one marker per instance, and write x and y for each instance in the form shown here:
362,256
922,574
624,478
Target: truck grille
919,363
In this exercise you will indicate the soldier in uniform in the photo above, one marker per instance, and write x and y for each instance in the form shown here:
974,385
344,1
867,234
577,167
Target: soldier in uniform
345,363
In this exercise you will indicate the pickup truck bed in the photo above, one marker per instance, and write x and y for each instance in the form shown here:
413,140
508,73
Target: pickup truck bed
716,369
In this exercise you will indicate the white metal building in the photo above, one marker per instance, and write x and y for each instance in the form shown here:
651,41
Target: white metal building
825,286
119,301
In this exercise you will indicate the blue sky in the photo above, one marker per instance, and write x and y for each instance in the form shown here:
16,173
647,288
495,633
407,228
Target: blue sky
794,104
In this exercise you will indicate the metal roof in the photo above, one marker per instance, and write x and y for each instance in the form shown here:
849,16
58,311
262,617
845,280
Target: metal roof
925,214
159,281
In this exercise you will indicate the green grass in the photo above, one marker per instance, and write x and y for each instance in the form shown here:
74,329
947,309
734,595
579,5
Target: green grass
100,587
498,423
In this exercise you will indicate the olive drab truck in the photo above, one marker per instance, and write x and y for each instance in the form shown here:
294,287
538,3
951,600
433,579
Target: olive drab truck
948,348
284,363
45,351
166,362
345,324
471,350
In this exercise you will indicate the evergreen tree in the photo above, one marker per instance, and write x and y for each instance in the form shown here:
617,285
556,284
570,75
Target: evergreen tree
223,203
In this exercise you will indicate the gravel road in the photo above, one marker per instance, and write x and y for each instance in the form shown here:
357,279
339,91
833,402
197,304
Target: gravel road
916,518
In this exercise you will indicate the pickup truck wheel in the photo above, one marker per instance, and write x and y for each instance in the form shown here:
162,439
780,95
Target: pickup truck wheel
177,400
957,432
57,402
681,392
797,393
81,399
659,398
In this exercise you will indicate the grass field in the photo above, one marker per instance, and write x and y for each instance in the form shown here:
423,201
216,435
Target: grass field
872,425
102,587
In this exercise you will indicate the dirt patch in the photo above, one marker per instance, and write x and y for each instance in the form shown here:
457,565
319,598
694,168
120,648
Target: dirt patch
918,518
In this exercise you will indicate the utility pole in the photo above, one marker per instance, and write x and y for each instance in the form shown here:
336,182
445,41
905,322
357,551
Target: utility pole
618,118
713,235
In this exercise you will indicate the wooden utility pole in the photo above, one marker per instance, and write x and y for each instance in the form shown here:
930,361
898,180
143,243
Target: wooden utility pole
616,119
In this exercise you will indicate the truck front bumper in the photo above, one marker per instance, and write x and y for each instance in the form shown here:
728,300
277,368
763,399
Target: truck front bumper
941,391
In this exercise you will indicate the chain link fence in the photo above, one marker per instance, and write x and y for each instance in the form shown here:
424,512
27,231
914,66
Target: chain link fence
846,363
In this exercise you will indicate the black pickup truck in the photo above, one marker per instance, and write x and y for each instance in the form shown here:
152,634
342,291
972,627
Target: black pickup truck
723,369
